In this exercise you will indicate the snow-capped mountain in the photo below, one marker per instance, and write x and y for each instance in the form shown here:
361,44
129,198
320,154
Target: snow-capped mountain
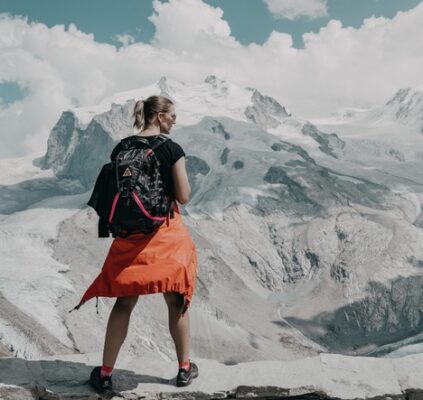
309,240
82,138
405,107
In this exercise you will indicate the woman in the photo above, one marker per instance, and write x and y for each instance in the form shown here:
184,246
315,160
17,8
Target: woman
165,261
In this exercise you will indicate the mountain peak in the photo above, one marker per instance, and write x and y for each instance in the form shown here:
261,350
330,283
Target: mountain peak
265,110
406,106
214,81
399,96
111,119
166,88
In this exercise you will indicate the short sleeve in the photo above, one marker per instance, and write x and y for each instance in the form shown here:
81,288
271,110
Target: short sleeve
176,152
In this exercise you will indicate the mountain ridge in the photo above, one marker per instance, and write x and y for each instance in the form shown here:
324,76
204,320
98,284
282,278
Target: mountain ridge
303,236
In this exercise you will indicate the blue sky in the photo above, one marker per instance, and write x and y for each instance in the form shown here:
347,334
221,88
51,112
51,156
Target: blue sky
249,20
11,92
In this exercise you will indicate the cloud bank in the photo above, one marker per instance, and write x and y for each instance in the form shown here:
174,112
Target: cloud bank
293,9
338,67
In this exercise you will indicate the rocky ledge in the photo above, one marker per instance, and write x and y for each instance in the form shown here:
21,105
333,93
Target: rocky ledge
327,376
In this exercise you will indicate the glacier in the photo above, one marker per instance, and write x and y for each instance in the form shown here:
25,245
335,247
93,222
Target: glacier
309,233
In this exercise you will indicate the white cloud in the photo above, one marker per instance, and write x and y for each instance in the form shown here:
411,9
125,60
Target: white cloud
338,66
188,24
125,39
293,9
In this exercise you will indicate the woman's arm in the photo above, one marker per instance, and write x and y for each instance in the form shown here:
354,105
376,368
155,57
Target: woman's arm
180,181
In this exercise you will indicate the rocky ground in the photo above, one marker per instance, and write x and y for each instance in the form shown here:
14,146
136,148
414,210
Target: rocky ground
327,376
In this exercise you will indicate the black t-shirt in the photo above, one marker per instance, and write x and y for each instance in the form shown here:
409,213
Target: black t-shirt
167,153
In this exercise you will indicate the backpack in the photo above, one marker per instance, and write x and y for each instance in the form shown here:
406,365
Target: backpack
129,194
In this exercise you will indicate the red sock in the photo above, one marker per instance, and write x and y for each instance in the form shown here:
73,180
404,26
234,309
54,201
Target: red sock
185,365
106,371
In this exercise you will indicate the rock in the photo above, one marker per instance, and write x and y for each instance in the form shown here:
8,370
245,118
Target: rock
220,130
327,376
224,156
238,164
329,143
265,111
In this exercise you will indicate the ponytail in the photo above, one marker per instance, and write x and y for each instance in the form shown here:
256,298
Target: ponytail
139,114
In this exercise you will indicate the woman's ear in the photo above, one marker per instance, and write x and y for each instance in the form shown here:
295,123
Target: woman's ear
159,119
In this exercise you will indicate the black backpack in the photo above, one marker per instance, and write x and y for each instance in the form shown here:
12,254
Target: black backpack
129,194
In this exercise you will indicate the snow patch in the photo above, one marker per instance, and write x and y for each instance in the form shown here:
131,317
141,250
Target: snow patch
30,278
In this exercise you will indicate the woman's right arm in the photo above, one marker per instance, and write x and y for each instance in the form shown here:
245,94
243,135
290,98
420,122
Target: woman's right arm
180,181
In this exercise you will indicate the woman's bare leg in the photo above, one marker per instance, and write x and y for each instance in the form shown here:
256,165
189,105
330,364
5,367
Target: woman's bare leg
117,328
178,325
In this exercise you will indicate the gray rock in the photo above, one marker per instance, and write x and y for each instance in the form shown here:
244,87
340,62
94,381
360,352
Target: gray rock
238,164
385,315
329,143
224,156
265,111
324,377
220,130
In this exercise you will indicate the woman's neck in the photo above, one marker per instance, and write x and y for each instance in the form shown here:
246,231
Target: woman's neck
150,131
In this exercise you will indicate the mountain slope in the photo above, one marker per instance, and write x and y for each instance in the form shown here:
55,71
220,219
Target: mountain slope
308,241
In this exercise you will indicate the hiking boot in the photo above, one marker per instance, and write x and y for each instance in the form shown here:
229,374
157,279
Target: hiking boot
98,382
185,377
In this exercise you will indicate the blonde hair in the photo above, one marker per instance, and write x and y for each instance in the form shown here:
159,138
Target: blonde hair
144,110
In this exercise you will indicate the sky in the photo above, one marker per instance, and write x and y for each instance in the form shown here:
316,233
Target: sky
249,20
313,56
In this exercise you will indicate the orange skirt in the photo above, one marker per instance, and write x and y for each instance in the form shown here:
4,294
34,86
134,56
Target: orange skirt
144,264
